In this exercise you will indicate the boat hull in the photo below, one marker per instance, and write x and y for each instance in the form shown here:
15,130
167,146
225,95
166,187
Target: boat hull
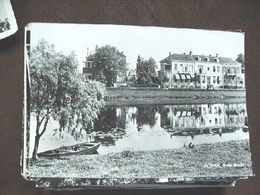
77,149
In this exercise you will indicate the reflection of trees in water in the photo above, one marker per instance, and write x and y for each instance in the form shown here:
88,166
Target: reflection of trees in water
106,120
146,115
121,117
110,125
165,120
110,118
235,114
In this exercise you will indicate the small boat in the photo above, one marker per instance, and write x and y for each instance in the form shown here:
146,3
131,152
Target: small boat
83,148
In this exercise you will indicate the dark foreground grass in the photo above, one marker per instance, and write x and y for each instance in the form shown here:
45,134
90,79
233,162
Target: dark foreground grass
225,159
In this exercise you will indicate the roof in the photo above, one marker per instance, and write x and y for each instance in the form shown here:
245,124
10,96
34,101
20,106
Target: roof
191,58
182,57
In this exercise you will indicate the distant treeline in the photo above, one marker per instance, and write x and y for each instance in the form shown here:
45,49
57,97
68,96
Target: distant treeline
4,25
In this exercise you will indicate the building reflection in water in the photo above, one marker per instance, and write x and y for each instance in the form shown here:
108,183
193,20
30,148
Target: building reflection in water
114,123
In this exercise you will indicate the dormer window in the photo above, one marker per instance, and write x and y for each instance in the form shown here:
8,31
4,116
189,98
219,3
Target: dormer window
206,59
216,59
197,58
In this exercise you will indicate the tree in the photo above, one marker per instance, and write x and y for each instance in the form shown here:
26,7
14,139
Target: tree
146,72
131,76
241,59
146,66
162,78
110,62
59,92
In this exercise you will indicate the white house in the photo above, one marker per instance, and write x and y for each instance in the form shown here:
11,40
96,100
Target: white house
202,71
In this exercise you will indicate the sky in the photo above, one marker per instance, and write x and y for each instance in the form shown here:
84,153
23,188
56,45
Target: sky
147,42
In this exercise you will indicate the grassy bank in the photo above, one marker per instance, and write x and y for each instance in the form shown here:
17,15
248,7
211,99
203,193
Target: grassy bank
120,93
226,159
134,96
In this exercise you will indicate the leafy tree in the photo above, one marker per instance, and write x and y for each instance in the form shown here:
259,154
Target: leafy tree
110,62
59,92
146,66
131,76
146,72
241,59
162,78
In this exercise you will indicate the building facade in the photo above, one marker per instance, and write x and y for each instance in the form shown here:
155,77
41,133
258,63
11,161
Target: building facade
89,69
201,71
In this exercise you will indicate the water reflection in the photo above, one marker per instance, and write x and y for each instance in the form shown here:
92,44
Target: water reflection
167,126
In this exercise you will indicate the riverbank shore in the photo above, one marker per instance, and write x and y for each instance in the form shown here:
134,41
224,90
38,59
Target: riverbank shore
227,159
171,101
141,96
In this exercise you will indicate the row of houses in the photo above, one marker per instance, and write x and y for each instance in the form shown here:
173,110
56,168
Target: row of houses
202,71
188,71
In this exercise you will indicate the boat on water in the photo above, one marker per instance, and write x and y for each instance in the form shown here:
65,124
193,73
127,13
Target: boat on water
82,148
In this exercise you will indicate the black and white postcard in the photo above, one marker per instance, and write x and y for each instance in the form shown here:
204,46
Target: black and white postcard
8,25
131,102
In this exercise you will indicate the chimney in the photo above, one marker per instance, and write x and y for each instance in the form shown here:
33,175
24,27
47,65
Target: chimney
217,55
190,53
170,53
209,55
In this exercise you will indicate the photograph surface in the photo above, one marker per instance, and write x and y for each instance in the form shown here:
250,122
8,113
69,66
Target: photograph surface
8,24
112,101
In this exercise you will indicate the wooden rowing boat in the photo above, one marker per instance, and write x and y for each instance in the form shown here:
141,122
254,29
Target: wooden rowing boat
83,148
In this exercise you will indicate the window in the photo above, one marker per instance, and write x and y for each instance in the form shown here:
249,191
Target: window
204,110
181,65
218,69
214,79
228,70
216,121
218,79
200,68
186,68
176,67
208,68
203,79
214,68
215,110
210,109
89,77
168,67
190,68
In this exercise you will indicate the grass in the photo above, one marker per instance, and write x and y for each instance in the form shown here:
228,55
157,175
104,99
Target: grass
229,159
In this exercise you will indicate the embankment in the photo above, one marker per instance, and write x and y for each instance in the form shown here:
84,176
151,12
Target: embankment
147,95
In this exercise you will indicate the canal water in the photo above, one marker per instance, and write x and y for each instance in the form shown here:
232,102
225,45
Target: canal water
154,127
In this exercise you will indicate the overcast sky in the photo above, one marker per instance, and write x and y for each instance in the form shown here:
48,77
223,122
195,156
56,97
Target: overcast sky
154,42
